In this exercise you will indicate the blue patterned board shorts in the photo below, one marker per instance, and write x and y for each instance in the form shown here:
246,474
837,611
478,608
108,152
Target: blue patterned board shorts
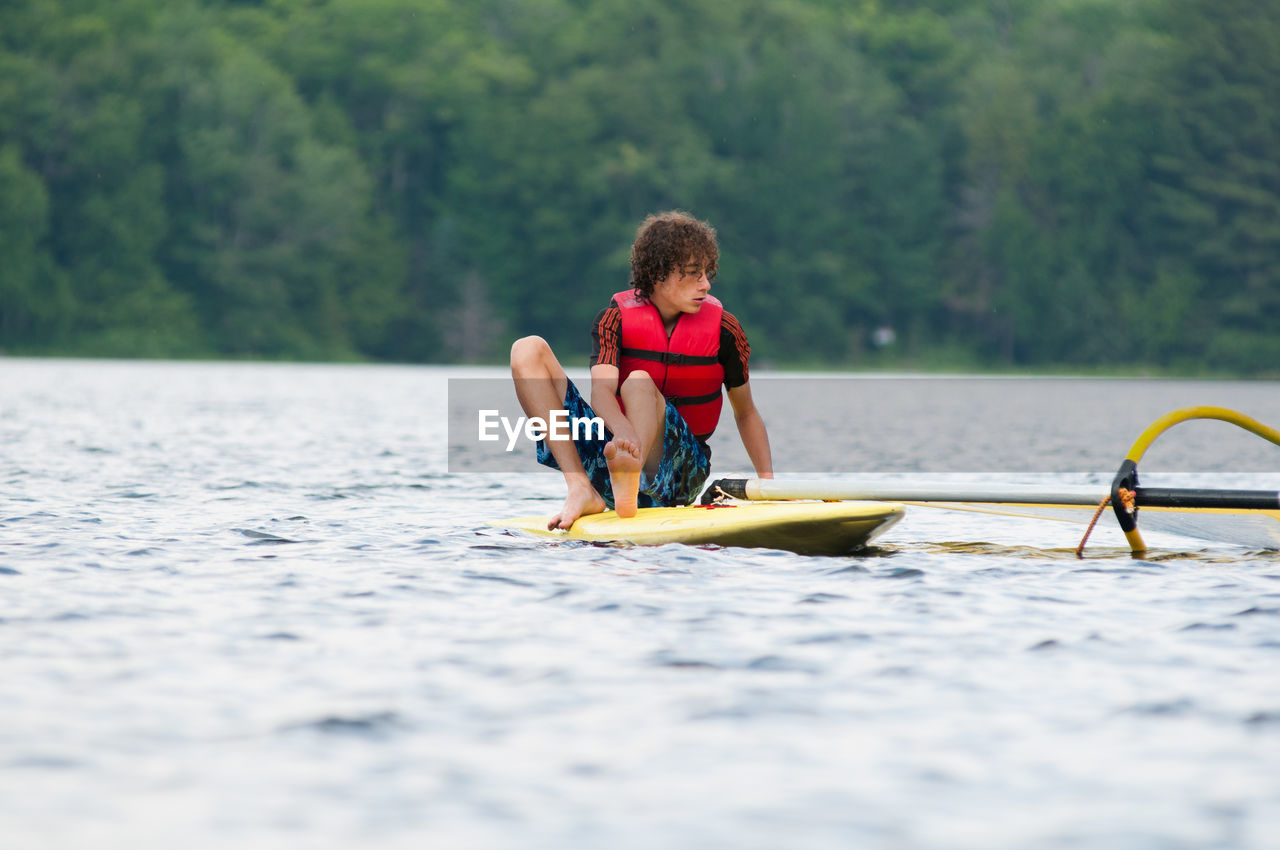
681,472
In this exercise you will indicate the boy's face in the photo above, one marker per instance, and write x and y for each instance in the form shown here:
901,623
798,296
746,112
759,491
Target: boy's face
683,289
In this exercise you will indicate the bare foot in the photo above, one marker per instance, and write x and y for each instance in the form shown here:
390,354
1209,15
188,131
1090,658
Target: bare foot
623,459
580,502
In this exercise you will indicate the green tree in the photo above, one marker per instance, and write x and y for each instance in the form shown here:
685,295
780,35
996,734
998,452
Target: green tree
1025,182
80,129
1220,186
396,81
34,300
272,230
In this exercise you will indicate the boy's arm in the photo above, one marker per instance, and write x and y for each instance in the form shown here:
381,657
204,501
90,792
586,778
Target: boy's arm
604,401
755,437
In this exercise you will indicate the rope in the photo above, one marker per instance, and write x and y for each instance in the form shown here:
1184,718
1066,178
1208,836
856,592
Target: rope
1126,501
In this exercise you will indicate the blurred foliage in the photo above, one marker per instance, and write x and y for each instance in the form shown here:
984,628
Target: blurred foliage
1056,183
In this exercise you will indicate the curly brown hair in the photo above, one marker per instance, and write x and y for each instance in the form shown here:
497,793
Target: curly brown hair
666,241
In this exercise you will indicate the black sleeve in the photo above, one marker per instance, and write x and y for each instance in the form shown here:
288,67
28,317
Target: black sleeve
735,351
606,337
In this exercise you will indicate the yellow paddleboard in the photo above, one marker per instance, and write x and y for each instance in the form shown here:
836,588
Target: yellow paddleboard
808,528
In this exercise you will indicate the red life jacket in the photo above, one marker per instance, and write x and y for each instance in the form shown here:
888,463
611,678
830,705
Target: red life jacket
685,366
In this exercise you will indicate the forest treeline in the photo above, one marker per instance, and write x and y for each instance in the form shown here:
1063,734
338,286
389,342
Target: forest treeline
1080,183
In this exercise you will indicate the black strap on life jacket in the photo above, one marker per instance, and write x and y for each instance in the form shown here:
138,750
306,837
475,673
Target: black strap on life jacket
681,401
672,358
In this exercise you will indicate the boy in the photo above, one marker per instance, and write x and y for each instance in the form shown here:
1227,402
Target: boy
661,352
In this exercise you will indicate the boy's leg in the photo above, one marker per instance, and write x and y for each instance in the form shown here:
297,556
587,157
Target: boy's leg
646,411
684,466
541,383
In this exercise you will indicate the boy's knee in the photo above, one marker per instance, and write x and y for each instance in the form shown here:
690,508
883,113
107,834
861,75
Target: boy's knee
640,381
639,376
528,349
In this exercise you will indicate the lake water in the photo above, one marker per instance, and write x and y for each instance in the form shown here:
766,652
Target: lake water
250,606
